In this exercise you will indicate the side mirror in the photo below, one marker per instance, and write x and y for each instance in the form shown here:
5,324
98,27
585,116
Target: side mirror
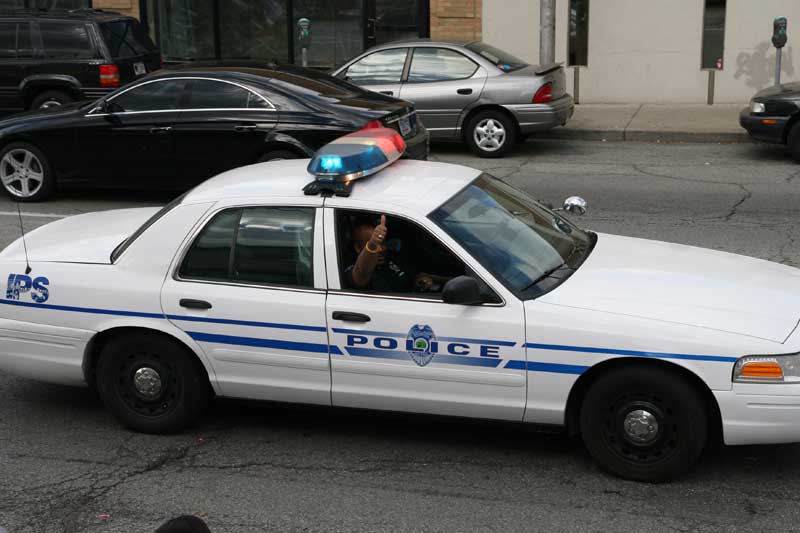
575,205
462,290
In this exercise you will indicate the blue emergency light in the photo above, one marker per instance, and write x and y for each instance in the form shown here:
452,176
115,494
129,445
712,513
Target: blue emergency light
363,153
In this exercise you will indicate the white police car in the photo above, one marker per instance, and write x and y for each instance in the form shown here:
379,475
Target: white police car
469,299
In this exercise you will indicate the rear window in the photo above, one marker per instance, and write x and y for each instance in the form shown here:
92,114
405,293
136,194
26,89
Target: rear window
502,60
126,38
124,245
66,40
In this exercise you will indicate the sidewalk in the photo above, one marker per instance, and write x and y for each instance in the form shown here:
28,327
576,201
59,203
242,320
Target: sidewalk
653,123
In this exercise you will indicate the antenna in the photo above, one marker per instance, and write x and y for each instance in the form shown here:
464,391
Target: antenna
24,245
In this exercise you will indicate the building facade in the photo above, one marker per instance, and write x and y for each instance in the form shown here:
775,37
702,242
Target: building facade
655,51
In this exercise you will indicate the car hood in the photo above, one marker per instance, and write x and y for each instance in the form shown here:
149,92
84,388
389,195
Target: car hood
686,285
49,113
786,90
88,238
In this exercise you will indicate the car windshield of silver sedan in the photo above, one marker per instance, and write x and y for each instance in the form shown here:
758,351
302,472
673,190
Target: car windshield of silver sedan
528,247
502,60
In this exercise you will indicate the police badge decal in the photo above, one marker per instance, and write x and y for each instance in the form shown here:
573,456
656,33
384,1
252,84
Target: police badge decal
421,344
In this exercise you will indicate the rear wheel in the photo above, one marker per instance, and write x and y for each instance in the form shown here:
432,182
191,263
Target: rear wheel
25,173
793,142
644,423
151,383
277,155
490,134
48,99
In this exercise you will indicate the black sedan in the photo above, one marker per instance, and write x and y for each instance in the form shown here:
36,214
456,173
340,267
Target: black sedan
774,116
176,128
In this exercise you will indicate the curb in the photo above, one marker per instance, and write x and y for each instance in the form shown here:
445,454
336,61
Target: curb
644,136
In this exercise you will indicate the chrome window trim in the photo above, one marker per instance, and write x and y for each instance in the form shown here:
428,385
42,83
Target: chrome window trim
207,218
178,78
178,111
455,253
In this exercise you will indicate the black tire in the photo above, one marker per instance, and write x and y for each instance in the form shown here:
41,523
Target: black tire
26,182
54,98
660,451
179,397
793,142
277,155
498,127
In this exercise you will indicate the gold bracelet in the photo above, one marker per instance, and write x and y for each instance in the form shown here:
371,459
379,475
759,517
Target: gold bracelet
375,251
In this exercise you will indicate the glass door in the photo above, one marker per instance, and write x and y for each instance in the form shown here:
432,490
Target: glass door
337,31
390,20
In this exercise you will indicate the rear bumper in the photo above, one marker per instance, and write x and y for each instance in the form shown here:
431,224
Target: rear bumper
542,117
760,414
418,146
754,124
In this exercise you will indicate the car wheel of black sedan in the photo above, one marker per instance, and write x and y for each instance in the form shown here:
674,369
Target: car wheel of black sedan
490,134
152,384
48,99
793,142
644,423
277,155
25,173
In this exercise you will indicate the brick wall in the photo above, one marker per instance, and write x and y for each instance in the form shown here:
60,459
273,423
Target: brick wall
456,20
129,7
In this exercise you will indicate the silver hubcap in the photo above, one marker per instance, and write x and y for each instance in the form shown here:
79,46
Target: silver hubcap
50,103
641,426
490,135
147,382
22,173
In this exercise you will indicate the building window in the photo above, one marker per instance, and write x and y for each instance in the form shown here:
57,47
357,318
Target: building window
336,31
578,44
713,34
186,29
254,29
47,4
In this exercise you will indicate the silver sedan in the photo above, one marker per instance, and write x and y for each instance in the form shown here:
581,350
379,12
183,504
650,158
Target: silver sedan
474,92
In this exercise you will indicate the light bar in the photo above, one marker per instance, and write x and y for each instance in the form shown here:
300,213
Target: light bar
351,157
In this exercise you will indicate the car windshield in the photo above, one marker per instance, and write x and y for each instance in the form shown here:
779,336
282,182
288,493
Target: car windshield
528,247
502,60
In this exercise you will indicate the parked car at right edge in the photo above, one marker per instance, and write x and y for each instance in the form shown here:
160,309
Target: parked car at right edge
472,92
774,117
52,58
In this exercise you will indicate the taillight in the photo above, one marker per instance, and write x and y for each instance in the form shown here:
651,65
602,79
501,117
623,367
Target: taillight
109,76
544,94
372,124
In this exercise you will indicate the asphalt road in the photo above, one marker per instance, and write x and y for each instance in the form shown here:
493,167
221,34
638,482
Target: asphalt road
66,465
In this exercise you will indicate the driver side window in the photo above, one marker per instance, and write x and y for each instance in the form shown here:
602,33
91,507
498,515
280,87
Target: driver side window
410,261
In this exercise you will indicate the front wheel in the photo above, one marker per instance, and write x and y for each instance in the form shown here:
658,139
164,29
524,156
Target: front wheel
490,134
644,423
151,383
25,173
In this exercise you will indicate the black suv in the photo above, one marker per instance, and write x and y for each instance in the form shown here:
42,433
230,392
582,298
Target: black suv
51,58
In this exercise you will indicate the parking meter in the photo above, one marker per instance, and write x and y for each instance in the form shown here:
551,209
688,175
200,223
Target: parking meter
779,41
304,38
779,32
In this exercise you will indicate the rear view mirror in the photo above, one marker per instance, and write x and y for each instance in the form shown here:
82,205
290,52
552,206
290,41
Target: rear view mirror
462,290
575,205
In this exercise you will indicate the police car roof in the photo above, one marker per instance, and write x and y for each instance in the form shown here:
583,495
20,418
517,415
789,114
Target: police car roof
420,186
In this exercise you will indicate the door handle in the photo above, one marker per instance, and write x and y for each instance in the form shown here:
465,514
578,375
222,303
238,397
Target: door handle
245,127
350,317
464,91
160,130
195,304
387,93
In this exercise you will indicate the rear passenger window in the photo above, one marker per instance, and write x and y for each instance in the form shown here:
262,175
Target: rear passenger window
24,46
8,40
255,245
439,64
209,94
65,40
